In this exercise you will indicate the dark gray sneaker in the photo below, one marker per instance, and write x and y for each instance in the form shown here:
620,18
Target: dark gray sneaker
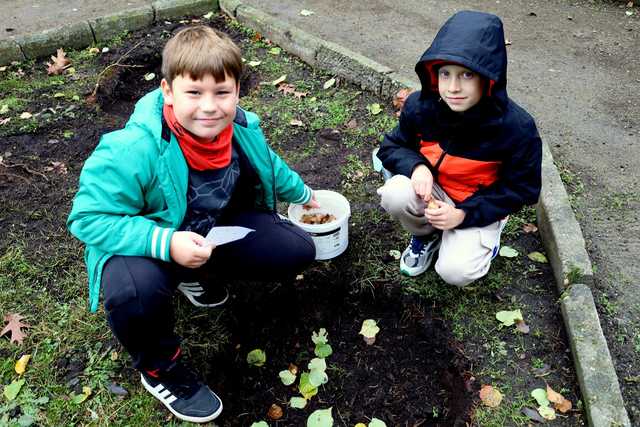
418,256
183,393
212,296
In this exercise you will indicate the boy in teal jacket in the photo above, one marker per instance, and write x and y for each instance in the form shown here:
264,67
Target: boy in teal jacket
188,159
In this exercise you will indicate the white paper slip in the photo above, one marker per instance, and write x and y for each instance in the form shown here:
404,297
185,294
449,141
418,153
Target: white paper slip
220,235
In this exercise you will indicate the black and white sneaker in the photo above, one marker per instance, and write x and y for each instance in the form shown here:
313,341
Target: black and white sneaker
212,296
182,393
417,258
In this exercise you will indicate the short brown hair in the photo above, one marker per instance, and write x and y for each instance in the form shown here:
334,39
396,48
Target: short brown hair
201,50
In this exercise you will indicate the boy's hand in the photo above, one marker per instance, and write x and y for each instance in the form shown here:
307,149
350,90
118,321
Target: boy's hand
422,182
445,216
189,249
313,203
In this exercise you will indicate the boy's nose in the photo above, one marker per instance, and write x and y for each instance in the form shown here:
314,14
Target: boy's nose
208,103
454,84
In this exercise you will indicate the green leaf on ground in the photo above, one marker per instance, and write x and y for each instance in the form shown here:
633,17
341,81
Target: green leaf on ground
374,109
540,395
79,398
275,51
318,377
538,257
298,402
377,423
320,337
329,83
508,252
260,424
547,413
11,391
317,364
369,328
305,387
320,418
287,377
254,63
256,357
508,318
323,350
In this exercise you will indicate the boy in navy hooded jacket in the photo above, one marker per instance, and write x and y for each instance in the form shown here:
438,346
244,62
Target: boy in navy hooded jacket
464,156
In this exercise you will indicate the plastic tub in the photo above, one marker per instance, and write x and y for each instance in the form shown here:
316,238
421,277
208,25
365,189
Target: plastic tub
331,239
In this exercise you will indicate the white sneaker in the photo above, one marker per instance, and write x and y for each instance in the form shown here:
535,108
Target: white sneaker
418,256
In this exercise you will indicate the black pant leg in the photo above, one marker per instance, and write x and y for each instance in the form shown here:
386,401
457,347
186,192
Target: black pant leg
138,301
276,250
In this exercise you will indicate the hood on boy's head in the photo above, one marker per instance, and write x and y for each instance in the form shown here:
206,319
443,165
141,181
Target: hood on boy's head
474,40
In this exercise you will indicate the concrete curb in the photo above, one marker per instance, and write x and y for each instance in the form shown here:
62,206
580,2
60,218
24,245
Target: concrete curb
98,29
558,226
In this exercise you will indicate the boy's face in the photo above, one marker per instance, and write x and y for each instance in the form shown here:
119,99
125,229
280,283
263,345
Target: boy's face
203,107
459,87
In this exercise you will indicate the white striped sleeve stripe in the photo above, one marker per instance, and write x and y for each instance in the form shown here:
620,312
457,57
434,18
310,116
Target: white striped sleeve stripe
306,196
163,246
154,239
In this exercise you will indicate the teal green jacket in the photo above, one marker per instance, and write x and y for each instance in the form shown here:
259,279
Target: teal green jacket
133,188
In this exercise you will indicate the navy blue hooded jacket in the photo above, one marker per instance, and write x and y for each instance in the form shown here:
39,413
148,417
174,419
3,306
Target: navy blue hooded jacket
488,158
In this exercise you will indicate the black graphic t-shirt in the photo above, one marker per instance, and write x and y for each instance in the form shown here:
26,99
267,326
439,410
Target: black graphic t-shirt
208,194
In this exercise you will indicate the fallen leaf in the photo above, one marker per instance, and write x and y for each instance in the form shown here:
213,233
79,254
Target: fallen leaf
14,325
81,397
508,252
547,413
560,403
395,254
287,377
4,109
11,391
275,412
400,97
256,357
57,167
293,369
4,68
306,389
208,15
538,257
254,63
105,49
59,64
360,425
260,424
298,402
377,423
279,80
329,83
352,124
26,115
508,318
532,414
630,4
305,12
540,395
149,76
94,51
490,396
300,94
5,121
286,88
374,109
628,13
320,418
522,327
296,122
529,228
275,51
21,364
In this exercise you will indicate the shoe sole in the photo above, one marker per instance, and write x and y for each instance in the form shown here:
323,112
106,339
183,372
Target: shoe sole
188,293
178,415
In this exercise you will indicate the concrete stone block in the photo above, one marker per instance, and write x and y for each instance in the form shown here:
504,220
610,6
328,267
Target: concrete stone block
171,9
45,43
107,27
292,39
230,6
10,51
369,74
561,233
597,377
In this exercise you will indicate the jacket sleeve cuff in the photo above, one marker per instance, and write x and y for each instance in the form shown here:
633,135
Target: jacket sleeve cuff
305,197
160,244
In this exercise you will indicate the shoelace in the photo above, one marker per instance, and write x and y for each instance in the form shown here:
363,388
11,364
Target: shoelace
417,247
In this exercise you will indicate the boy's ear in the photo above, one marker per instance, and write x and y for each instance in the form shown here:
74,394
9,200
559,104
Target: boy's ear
166,92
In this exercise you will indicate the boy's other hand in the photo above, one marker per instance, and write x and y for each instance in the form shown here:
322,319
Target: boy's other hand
445,216
189,249
313,203
422,182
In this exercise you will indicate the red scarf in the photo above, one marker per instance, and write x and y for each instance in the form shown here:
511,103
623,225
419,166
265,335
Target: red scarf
201,153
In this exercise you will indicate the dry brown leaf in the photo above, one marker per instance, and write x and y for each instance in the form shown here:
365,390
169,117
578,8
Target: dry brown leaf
561,404
286,88
490,396
522,327
400,97
59,64
300,94
293,369
275,412
14,325
57,167
529,228
352,124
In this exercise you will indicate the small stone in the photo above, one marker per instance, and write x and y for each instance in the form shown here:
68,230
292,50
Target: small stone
117,389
